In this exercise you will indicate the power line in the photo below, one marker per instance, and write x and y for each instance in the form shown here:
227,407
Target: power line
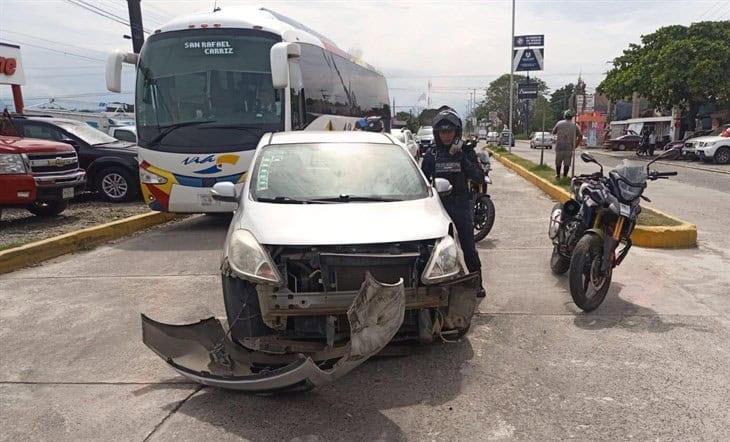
102,12
51,41
54,50
88,94
712,6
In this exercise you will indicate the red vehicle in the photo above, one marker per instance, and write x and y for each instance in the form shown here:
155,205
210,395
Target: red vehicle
39,175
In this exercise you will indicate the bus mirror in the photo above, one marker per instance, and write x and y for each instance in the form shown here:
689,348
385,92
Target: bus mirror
280,55
114,68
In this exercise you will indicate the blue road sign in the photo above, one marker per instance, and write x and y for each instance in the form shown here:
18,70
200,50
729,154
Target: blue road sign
528,59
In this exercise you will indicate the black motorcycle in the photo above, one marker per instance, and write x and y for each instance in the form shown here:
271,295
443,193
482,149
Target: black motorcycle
587,229
484,212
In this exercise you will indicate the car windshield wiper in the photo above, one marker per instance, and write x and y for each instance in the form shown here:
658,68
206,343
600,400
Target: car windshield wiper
286,200
357,198
255,130
167,130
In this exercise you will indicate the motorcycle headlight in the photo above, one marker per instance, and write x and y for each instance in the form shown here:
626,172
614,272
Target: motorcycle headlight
11,163
249,260
147,177
445,262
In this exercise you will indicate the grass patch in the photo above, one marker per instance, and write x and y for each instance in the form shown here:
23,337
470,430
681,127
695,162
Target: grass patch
647,217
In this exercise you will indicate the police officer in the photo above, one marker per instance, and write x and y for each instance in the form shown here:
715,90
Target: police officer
449,159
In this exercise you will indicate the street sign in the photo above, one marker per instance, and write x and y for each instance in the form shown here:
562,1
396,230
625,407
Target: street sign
528,59
527,91
522,41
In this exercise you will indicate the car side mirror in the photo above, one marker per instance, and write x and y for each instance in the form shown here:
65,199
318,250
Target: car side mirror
224,191
443,186
70,141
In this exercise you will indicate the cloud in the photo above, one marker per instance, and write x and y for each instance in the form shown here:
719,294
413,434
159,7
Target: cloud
409,41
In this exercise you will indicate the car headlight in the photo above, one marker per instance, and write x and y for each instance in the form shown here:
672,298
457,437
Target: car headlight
445,262
12,163
249,260
147,177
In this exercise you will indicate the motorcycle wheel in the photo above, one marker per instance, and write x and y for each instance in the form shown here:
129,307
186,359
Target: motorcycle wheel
559,264
588,287
484,214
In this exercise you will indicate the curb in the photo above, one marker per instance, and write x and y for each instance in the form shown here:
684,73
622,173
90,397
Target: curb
39,251
665,237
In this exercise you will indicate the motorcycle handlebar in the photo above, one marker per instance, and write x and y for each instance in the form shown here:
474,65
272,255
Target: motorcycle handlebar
662,175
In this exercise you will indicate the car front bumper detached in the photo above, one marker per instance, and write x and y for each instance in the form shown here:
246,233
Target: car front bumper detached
204,353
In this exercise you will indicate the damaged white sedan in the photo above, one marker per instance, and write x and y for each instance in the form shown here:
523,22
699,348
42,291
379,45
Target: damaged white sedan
339,246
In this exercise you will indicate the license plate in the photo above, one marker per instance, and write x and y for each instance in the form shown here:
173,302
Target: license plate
624,209
208,201
67,193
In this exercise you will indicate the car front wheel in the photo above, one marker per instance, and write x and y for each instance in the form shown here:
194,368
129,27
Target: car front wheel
722,156
116,185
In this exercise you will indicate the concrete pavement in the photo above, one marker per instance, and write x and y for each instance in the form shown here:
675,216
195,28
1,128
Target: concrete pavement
649,364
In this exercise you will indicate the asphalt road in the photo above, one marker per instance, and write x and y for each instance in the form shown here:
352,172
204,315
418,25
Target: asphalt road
651,363
699,194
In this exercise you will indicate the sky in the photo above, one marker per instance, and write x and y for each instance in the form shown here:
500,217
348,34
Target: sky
457,45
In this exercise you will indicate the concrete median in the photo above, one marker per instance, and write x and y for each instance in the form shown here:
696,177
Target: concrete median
39,251
681,235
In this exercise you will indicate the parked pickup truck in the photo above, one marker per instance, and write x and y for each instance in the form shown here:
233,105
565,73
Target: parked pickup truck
39,175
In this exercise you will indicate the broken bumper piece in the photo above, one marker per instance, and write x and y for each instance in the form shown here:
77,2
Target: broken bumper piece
203,352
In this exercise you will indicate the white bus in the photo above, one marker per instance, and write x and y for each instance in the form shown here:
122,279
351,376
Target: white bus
210,84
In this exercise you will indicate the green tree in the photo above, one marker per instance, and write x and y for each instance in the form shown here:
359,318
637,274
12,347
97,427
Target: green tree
497,99
426,117
676,65
560,100
411,121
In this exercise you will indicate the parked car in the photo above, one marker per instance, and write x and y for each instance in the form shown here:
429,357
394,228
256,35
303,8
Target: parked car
504,138
482,134
424,138
39,175
308,304
125,133
405,138
492,137
110,164
689,149
713,148
630,140
541,139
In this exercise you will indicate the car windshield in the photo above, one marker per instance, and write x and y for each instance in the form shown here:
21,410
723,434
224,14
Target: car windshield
87,133
334,171
426,130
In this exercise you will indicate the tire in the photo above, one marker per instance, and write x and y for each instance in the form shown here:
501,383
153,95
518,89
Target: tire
584,264
484,214
48,208
115,184
559,264
722,156
622,147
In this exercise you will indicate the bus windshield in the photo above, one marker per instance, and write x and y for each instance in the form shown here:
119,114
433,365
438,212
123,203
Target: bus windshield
206,91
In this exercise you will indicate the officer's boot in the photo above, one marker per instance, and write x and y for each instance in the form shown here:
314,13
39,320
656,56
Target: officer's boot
481,293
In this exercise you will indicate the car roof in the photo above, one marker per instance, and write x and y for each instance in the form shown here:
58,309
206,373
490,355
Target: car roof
309,137
53,120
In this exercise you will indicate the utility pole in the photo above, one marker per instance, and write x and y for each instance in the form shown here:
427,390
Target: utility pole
135,24
511,75
542,148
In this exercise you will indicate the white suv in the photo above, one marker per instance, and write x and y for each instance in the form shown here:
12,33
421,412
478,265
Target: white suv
713,148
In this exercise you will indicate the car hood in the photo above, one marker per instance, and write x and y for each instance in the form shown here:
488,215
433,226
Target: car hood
345,223
706,138
119,149
32,145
